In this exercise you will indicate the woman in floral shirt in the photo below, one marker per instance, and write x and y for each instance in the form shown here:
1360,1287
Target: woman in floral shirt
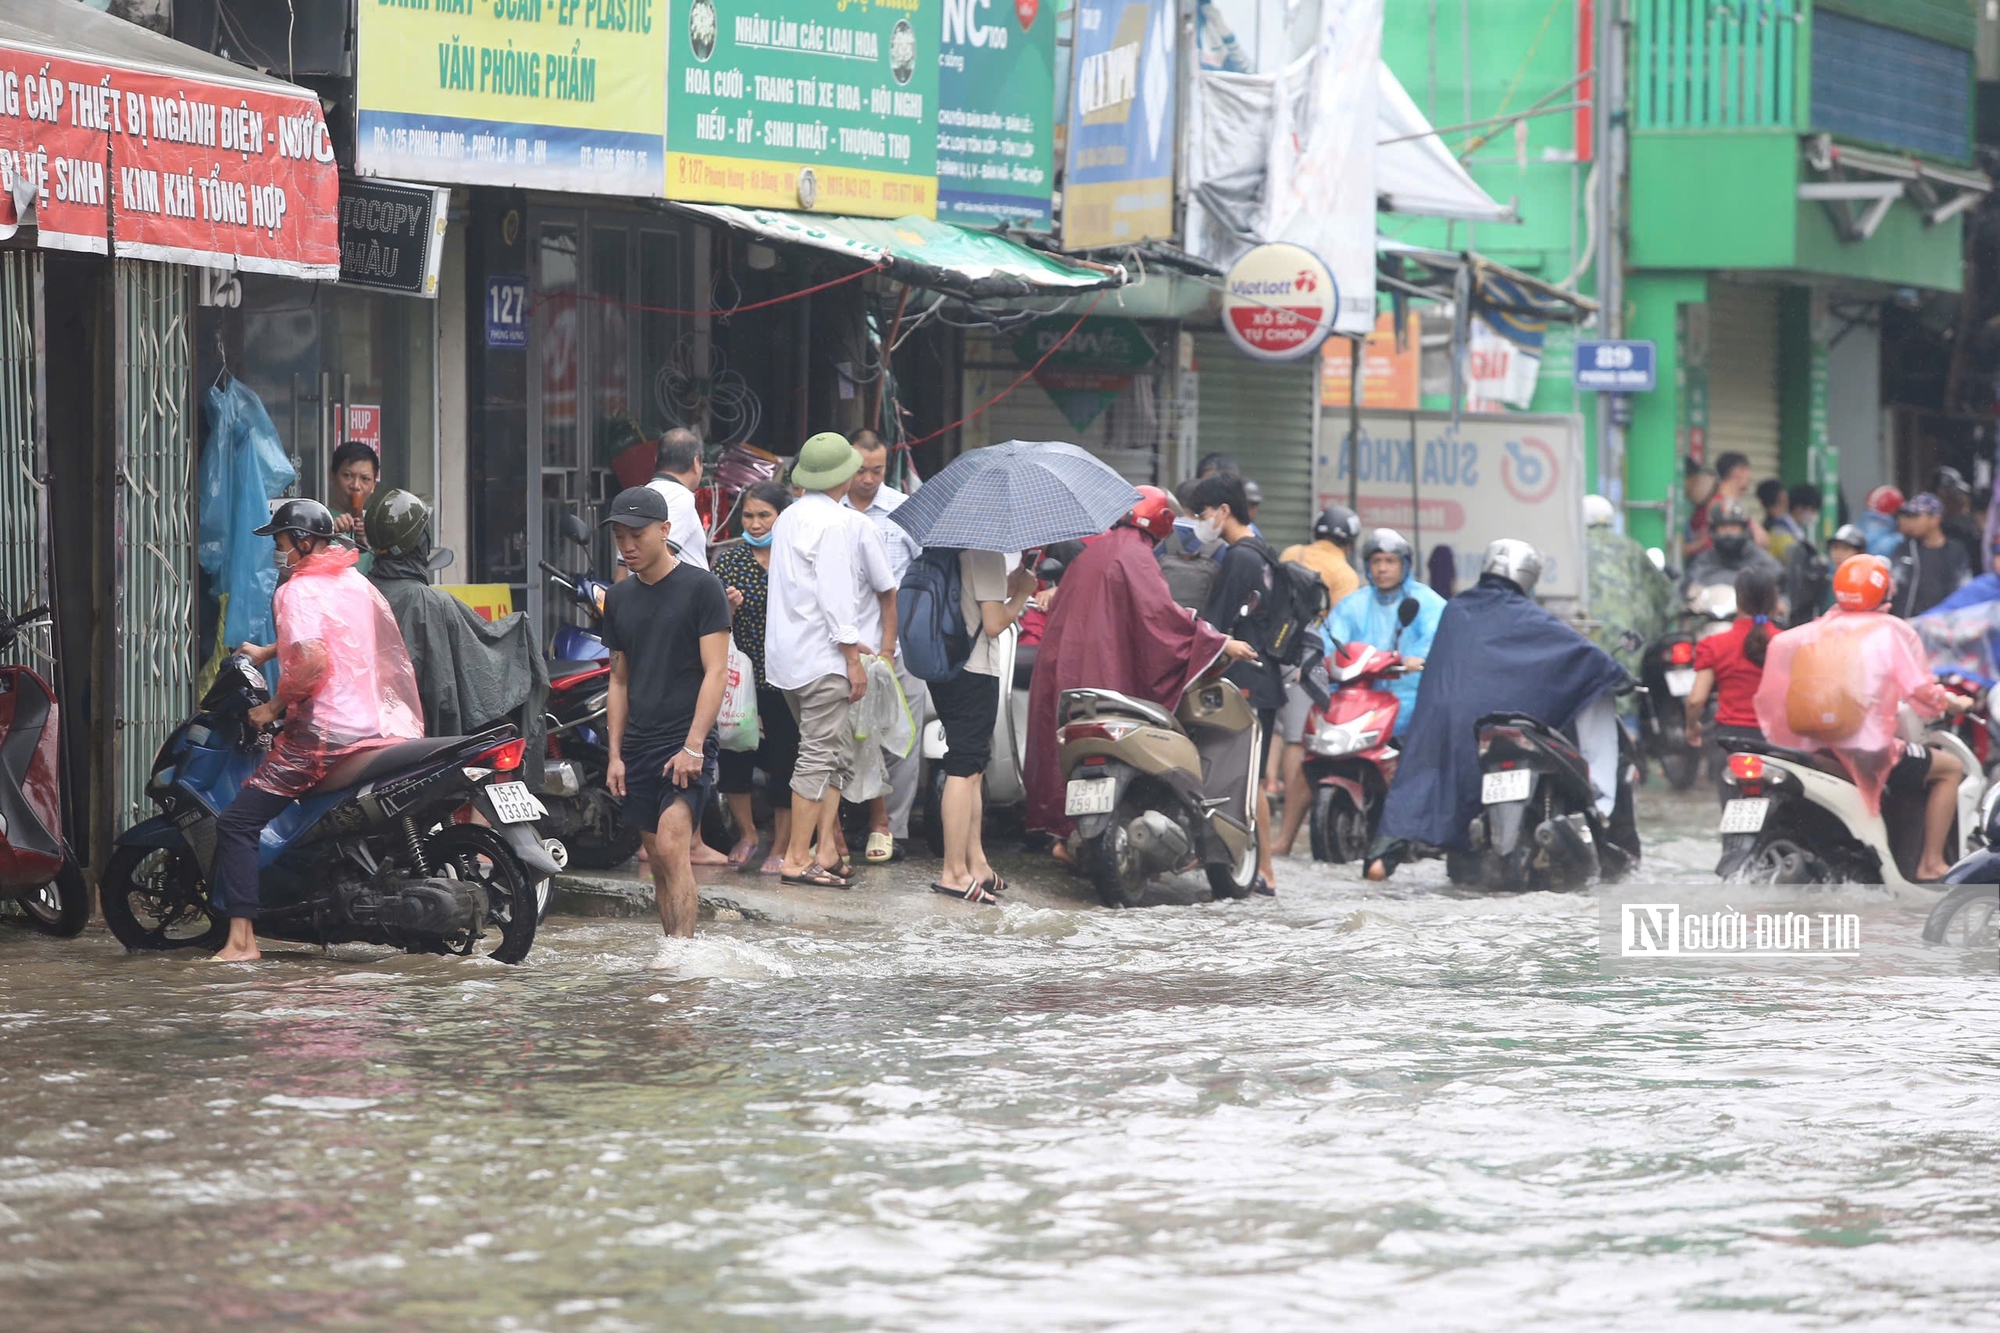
744,568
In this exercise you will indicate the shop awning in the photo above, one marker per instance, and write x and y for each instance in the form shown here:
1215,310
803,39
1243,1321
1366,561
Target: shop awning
939,255
1415,172
127,141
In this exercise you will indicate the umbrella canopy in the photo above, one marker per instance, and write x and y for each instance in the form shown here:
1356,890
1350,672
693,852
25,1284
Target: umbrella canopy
1016,496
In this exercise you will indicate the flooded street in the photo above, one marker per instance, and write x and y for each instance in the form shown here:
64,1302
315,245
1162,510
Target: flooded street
1378,1105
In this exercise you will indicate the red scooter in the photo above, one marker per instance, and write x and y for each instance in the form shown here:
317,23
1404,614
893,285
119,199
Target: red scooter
37,869
1350,756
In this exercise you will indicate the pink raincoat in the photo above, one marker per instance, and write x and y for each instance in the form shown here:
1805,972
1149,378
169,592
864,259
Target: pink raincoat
344,673
1891,669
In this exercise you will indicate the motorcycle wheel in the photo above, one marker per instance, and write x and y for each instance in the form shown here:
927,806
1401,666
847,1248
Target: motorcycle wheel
156,898
61,907
1680,767
1319,825
1782,861
1967,917
933,812
1110,866
476,854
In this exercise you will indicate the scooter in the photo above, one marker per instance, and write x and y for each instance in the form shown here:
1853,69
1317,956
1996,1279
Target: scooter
1156,793
1969,913
1538,825
1667,671
37,868
1796,817
583,814
375,853
1350,754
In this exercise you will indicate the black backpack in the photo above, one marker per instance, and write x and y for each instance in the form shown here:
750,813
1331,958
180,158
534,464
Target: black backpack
1284,619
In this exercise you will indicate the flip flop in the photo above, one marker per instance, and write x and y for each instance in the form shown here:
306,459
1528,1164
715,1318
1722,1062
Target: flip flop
971,893
815,876
998,884
881,849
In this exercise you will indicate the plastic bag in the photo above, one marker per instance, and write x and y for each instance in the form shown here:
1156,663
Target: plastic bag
243,468
737,725
883,715
1966,639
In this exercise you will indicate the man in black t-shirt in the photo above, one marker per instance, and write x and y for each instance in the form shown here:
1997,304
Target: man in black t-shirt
667,627
1238,606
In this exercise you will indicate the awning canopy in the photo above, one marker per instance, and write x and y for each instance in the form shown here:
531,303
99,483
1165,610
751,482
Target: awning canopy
208,163
1415,172
1501,293
941,256
1859,187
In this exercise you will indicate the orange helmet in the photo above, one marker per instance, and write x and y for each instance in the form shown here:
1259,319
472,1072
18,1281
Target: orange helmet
1885,499
1154,514
1861,583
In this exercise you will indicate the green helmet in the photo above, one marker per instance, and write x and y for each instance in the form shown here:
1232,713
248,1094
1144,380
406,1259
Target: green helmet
397,523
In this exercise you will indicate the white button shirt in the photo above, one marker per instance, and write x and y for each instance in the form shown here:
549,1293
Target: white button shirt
688,537
902,547
827,566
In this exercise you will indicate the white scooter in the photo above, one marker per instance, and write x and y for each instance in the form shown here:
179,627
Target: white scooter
1793,817
1004,784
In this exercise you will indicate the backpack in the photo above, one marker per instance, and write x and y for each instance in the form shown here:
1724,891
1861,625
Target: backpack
930,626
1298,601
1190,575
1820,700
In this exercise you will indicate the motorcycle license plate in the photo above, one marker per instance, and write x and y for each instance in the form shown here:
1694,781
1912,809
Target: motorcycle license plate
1512,784
514,803
1745,814
1091,796
1680,682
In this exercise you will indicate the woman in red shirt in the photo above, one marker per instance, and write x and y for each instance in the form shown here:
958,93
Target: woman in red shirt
1731,664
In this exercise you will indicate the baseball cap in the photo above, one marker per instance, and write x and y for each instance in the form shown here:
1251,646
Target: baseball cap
636,506
1923,502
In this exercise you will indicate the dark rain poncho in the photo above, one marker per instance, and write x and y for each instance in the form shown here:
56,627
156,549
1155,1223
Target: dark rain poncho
1496,651
471,675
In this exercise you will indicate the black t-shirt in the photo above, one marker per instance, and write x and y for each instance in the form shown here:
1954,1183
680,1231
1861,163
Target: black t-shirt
659,627
1242,588
1926,575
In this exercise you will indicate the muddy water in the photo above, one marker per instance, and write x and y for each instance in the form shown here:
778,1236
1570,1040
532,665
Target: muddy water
1389,1106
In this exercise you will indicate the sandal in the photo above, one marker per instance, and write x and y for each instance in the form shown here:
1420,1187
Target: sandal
814,876
997,884
974,892
881,849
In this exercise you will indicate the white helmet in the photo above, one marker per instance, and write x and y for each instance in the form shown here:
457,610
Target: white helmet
1597,512
1514,560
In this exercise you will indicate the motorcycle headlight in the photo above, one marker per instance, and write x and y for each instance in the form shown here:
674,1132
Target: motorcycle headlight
1329,739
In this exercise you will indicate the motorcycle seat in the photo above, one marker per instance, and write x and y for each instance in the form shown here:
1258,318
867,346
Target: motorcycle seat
1823,760
566,670
368,765
1024,667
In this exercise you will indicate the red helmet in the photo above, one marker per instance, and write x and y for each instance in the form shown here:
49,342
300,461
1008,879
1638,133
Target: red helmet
1885,499
1861,583
1154,514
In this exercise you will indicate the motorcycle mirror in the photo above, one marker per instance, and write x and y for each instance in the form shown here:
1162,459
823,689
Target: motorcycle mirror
572,528
1406,614
441,558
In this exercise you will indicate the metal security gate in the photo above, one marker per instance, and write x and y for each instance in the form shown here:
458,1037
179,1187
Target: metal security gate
1261,414
1743,375
24,561
153,536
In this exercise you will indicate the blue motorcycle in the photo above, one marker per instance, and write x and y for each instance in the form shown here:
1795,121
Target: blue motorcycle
374,854
582,812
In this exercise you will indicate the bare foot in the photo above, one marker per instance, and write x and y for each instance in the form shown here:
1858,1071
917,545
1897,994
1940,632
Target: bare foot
232,954
1060,851
1930,872
701,854
1377,871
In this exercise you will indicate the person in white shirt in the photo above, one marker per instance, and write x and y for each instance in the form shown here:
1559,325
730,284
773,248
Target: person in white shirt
831,603
676,474
889,816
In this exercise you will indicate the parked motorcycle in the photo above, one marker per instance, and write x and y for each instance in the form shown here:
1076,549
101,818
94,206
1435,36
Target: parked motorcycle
1350,751
1538,825
37,868
582,813
1796,817
1667,671
374,854
1156,793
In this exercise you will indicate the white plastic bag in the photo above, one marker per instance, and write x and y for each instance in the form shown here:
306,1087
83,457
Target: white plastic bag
736,726
883,715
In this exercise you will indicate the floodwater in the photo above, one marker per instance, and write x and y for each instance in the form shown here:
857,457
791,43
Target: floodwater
1354,1105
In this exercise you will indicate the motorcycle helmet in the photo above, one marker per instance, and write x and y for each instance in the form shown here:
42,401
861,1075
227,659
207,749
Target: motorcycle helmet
1391,542
1885,499
1253,494
1154,514
1851,535
1729,514
1861,583
1597,512
1337,524
1515,561
397,522
300,518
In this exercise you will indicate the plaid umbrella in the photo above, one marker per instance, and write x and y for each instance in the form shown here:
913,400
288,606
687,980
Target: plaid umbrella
1015,497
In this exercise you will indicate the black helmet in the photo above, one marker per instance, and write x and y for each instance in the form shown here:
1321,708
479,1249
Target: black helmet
397,523
301,518
1338,524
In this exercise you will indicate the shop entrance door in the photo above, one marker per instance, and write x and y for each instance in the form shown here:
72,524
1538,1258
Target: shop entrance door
600,333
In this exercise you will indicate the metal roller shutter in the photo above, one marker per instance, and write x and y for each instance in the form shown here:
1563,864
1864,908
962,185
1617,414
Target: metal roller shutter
1261,414
1743,375
1130,435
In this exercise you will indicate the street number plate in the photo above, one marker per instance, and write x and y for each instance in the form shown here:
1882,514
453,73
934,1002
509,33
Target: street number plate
1680,682
1512,784
514,803
1091,796
1745,814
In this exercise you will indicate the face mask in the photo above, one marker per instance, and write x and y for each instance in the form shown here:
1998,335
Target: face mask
284,559
759,542
1207,530
1732,545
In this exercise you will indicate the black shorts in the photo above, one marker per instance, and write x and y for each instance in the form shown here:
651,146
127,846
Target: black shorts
1912,772
649,791
968,704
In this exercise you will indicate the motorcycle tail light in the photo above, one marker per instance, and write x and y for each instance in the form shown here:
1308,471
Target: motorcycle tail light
1681,654
504,757
1746,767
1510,735
1104,729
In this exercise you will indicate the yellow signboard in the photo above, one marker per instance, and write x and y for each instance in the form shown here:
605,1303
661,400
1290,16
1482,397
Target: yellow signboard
550,94
493,601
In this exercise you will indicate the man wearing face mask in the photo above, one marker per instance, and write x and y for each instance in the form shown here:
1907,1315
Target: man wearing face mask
1731,550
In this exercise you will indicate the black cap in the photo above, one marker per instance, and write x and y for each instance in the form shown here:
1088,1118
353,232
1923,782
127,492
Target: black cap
636,506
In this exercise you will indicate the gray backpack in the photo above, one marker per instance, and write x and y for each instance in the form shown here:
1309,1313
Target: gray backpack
1190,576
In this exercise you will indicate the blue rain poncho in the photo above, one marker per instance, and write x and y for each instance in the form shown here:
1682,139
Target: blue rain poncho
243,468
1368,615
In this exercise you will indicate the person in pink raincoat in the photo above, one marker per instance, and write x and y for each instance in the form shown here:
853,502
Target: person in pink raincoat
345,684
1836,684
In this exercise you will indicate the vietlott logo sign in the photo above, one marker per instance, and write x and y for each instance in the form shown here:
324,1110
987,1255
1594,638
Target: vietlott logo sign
1669,930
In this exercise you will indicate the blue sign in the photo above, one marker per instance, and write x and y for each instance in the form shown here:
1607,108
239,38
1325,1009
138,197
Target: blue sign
507,311
1620,367
1119,181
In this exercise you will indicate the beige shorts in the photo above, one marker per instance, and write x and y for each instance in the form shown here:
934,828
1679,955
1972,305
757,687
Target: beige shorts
826,738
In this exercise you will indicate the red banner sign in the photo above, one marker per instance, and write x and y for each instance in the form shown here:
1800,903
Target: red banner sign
170,167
